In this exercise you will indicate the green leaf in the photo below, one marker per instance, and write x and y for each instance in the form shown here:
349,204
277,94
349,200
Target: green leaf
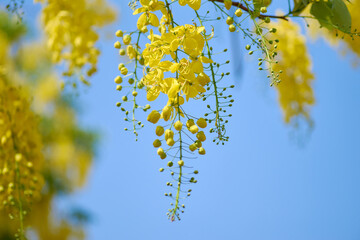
332,14
341,16
299,6
258,4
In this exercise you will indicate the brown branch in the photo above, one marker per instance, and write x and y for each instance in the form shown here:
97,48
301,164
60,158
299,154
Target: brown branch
262,16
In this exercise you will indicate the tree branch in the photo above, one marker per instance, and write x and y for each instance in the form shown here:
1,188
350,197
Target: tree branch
262,16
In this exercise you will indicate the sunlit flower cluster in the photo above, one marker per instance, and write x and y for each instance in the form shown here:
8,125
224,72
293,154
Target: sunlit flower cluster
176,61
20,149
295,89
71,29
44,152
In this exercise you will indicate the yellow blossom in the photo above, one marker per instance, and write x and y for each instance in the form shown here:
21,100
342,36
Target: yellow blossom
295,91
194,4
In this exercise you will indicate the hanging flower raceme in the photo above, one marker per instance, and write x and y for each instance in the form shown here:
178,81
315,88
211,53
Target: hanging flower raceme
71,30
295,91
21,157
175,62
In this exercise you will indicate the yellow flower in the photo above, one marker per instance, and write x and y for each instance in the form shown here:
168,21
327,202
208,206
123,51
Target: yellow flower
70,38
194,4
146,19
131,52
295,90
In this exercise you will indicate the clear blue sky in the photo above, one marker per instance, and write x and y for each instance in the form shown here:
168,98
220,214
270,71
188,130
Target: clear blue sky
262,185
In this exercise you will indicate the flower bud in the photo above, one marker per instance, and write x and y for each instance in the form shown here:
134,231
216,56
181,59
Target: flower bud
163,155
159,131
118,80
238,12
201,122
192,147
127,39
170,142
117,44
198,143
119,33
122,52
18,157
178,125
166,113
202,151
157,143
160,151
229,20
201,136
181,163
154,116
189,123
232,28
194,129
124,71
169,134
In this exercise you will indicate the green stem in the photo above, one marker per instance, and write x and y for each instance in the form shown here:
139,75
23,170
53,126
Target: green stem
21,216
177,198
135,86
213,78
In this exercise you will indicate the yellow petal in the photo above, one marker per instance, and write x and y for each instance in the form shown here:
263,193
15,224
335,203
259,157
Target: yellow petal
141,21
153,19
204,59
182,2
195,4
228,4
152,94
174,45
197,67
175,88
139,10
145,2
174,67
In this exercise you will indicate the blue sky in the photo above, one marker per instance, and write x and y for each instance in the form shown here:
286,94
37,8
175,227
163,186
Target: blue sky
262,185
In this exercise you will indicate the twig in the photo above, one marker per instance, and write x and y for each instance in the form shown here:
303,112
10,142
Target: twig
262,16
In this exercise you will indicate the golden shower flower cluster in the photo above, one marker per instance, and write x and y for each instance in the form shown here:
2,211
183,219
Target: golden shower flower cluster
295,90
166,59
175,61
20,151
71,27
44,153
